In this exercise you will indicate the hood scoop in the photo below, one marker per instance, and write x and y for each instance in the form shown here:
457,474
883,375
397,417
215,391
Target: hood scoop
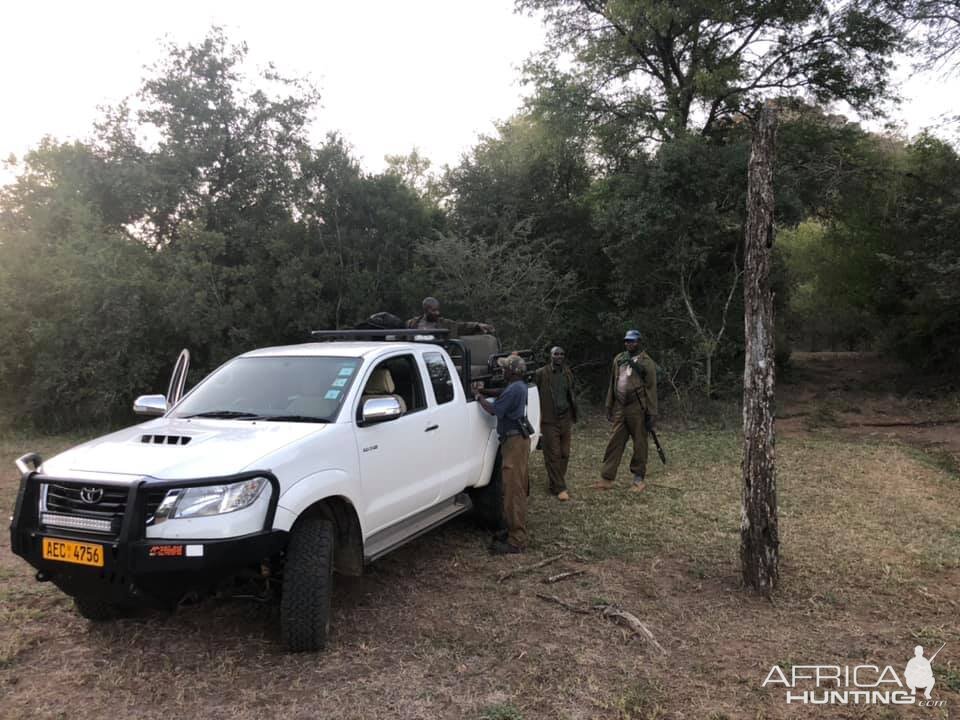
165,439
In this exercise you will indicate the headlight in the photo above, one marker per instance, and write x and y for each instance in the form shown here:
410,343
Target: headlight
209,500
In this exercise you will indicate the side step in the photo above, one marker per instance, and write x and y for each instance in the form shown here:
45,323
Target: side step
388,539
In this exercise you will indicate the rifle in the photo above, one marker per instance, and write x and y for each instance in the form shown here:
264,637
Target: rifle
653,433
935,654
660,452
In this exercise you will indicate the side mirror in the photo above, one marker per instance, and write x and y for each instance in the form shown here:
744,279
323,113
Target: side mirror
381,409
150,405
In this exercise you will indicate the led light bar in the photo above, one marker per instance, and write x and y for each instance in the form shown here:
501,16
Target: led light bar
76,523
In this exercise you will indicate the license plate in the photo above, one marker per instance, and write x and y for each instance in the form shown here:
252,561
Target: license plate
73,552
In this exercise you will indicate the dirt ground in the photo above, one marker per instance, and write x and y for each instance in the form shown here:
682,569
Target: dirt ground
870,567
861,396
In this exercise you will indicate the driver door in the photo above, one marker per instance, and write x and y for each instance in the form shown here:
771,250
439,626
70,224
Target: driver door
395,456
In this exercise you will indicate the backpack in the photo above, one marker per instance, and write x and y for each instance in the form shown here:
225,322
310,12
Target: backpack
382,321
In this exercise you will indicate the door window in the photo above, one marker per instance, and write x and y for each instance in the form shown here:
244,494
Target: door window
399,377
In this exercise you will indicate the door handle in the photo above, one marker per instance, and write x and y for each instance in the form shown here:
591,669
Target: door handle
431,427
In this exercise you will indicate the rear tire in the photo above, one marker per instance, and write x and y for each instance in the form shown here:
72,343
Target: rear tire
307,585
95,609
488,500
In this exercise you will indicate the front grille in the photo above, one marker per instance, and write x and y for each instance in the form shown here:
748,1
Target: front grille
99,502
64,506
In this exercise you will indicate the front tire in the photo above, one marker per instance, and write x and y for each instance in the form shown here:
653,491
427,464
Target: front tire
307,585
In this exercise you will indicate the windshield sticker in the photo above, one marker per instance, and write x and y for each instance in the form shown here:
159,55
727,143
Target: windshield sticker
332,395
340,382
347,371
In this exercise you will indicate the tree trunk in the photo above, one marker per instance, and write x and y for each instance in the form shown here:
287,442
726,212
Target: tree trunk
709,365
759,536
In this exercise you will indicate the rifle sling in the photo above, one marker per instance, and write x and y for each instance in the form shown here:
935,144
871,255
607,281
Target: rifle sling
639,369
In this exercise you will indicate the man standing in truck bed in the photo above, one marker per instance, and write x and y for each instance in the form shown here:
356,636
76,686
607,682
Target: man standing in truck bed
632,408
432,320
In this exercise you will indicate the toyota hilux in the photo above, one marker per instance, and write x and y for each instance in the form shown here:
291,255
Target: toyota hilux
280,467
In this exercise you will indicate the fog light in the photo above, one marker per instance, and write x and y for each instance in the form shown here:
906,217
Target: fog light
76,523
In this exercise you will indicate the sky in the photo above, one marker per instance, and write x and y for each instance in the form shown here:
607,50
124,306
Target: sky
430,74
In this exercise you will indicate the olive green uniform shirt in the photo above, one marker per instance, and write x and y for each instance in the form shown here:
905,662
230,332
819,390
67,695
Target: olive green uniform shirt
455,327
556,393
639,387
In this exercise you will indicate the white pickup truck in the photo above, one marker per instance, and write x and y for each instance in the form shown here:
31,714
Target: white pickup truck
281,466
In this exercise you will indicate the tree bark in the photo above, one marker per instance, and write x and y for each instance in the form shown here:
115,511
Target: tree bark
759,535
709,363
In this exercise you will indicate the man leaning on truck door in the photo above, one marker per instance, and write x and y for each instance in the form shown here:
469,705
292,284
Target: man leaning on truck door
509,406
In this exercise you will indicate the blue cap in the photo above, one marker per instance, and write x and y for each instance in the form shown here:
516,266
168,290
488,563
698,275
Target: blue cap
632,335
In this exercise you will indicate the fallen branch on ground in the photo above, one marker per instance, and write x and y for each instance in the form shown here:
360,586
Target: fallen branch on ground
612,612
563,576
564,604
528,568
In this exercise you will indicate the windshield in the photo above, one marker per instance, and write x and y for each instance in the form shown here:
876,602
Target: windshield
292,389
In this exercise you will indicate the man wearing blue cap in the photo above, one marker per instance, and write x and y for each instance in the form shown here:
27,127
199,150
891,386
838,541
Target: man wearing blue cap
632,408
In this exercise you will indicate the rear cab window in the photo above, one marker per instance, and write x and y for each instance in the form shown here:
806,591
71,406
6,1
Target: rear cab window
440,379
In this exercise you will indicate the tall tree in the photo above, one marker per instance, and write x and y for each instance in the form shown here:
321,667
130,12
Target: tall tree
228,146
759,532
645,69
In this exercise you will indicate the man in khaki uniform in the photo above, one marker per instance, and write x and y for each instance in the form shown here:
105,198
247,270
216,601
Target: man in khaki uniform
632,408
432,320
509,407
558,412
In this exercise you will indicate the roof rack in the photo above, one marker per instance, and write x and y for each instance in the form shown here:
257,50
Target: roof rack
398,335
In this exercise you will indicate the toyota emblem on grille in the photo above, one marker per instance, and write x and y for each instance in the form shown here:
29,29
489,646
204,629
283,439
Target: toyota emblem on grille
91,496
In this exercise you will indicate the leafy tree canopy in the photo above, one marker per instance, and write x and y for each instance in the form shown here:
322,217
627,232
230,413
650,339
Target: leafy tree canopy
650,70
936,25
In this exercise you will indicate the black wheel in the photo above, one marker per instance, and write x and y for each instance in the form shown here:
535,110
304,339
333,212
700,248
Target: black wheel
95,608
488,500
307,585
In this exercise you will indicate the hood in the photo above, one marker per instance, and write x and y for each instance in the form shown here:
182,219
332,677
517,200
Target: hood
173,449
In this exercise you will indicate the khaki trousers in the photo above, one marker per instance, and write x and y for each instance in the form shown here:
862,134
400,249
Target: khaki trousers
515,454
627,425
556,452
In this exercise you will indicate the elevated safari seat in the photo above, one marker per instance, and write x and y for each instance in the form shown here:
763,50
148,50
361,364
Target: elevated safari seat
481,348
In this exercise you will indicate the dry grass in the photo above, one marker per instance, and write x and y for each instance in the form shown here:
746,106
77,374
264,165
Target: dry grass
870,567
